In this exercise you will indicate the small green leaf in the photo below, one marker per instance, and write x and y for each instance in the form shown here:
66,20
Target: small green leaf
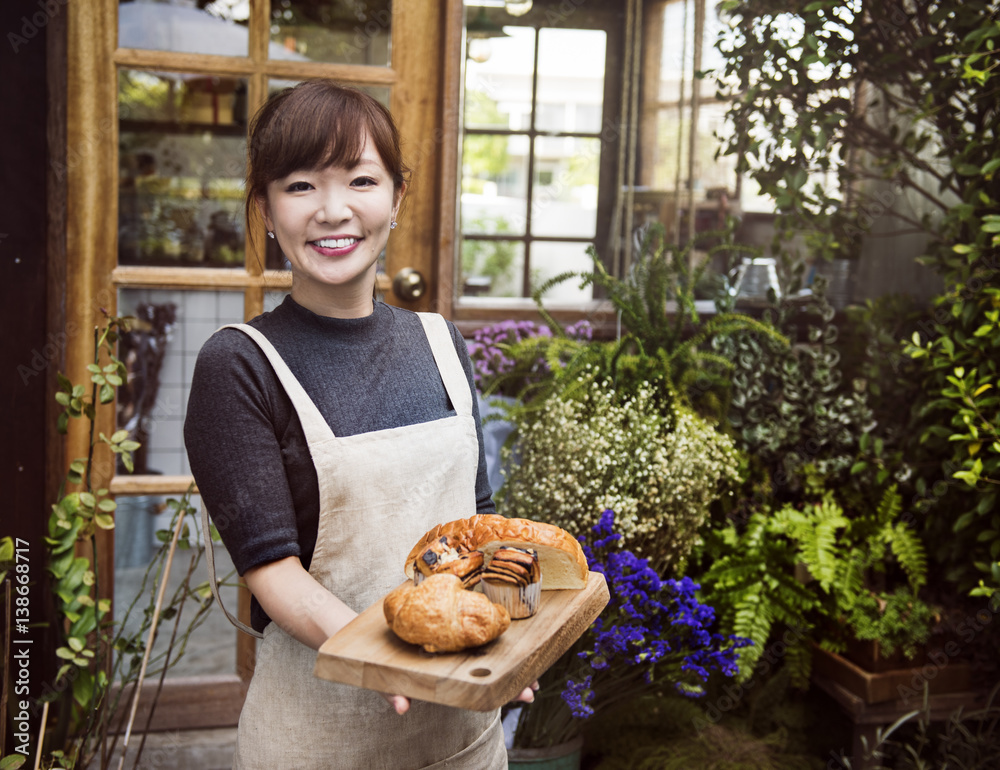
104,521
119,436
83,689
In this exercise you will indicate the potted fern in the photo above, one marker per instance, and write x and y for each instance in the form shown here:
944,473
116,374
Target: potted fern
859,581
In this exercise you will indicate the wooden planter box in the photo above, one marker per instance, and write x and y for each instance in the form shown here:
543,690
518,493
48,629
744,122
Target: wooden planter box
940,674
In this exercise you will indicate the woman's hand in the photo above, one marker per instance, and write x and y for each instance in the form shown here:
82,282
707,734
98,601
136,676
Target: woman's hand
528,693
401,705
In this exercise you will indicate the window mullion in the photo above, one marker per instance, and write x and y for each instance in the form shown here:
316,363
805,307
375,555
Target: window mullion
526,276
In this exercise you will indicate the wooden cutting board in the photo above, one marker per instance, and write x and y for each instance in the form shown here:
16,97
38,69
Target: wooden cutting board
365,653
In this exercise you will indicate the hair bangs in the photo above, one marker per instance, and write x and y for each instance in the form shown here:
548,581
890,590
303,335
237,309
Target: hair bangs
312,134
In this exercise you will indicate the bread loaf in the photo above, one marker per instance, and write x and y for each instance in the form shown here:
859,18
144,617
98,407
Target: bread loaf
439,556
560,555
440,615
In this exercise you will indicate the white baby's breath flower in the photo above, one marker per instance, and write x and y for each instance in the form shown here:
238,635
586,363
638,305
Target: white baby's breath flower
659,470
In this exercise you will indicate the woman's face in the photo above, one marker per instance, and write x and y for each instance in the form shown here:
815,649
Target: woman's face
332,224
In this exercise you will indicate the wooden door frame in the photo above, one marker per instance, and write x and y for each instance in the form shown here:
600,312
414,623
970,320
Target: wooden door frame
420,61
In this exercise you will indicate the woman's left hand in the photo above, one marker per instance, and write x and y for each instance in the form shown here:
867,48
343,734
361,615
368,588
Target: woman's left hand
527,694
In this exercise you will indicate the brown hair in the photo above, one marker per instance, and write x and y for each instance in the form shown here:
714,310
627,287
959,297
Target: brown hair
315,125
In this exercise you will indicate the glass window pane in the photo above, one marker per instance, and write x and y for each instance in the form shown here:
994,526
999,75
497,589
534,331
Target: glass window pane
206,650
182,159
570,80
160,353
670,157
564,198
549,259
207,26
491,268
494,184
340,31
498,89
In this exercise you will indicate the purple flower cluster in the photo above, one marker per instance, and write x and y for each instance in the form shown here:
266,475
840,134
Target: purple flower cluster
490,346
652,629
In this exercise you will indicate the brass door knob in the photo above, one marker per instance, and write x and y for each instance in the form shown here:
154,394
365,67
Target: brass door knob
409,284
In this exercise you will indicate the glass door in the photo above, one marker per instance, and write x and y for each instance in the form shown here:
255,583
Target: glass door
159,95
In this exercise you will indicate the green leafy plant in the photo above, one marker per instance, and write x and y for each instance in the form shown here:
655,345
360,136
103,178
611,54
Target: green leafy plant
656,304
101,661
659,466
849,145
790,407
897,621
751,578
854,148
969,739
960,368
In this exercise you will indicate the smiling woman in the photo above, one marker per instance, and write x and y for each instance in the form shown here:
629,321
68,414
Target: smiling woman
327,436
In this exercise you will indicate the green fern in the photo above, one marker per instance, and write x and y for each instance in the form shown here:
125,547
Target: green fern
757,596
656,305
754,596
911,555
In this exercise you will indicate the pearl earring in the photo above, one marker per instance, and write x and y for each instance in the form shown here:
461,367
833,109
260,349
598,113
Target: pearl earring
392,226
270,234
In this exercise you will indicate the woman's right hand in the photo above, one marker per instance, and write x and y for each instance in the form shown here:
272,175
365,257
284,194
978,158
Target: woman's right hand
399,704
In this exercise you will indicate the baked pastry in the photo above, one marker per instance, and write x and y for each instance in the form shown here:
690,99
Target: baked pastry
442,616
563,564
440,557
513,580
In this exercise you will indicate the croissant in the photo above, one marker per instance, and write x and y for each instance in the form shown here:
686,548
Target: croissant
442,616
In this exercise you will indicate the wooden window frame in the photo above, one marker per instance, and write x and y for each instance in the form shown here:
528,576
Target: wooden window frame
470,314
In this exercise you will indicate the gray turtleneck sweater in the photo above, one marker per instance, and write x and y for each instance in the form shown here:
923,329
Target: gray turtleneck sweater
247,450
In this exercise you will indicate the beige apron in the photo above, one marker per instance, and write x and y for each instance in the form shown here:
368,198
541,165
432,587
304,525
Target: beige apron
379,493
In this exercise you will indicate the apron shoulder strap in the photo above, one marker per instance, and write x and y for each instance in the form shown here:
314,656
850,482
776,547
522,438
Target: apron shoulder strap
213,581
314,425
446,358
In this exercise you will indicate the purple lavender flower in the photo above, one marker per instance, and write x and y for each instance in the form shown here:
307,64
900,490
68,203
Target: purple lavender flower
652,630
578,695
489,346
